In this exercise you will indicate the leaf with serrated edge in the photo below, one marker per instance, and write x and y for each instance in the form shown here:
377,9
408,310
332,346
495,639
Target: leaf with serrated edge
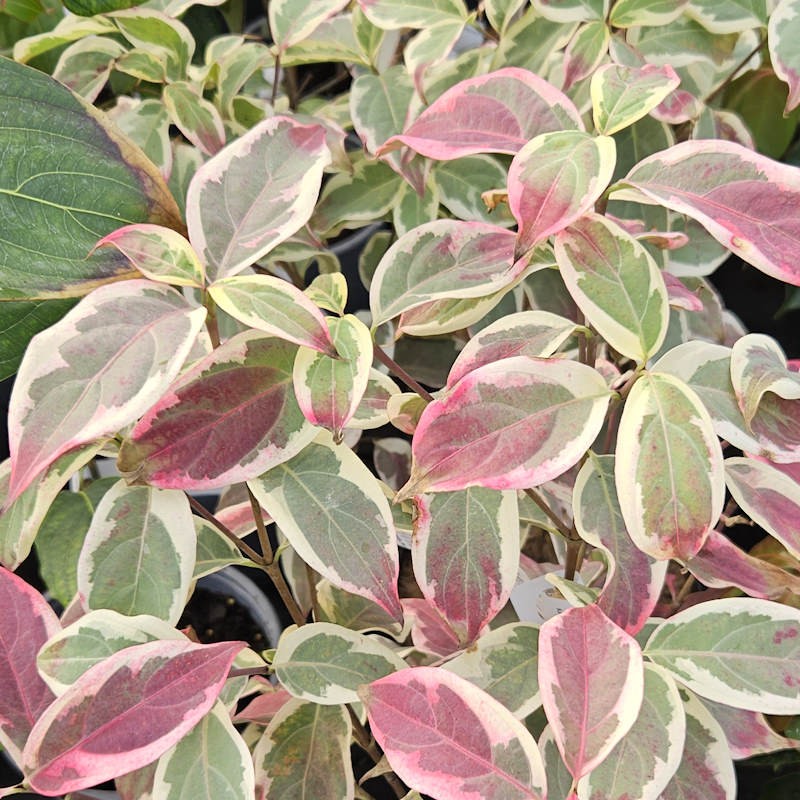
758,366
555,179
159,253
503,663
327,663
96,371
783,34
306,746
746,201
441,259
450,740
591,680
621,95
616,283
329,390
276,307
527,333
634,580
770,497
255,193
335,516
26,624
465,553
512,104
545,415
211,761
706,769
138,555
668,469
743,652
642,764
92,639
144,699
226,419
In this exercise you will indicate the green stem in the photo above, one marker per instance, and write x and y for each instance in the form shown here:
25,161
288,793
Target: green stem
395,368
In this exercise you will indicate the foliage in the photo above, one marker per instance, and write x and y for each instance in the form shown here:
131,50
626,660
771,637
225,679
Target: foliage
545,189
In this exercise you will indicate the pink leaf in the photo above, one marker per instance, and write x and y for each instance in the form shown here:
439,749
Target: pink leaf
124,713
429,629
680,296
591,678
229,418
494,113
450,740
26,623
746,201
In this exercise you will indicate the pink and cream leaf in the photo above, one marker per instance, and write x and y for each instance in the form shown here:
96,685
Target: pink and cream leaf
195,117
783,35
494,113
616,283
227,419
622,94
124,713
334,514
159,253
769,497
741,651
555,179
587,49
591,679
26,624
275,307
634,580
668,469
429,630
746,201
450,740
255,193
465,553
95,371
510,424
444,259
329,390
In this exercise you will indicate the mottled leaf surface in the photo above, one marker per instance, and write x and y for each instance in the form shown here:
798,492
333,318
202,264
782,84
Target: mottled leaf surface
450,740
591,680
784,30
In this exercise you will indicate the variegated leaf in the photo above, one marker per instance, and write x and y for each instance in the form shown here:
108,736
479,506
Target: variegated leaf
195,117
441,259
290,22
784,30
591,679
511,424
503,663
555,179
744,200
352,611
668,468
276,307
391,14
305,748
144,698
585,52
227,419
642,764
734,16
26,624
329,390
450,740
372,411
429,630
634,581
770,497
327,663
571,10
138,555
616,283
335,516
85,66
465,552
621,95
628,13
159,253
706,770
758,366
742,652
96,371
514,105
328,291
255,193
527,333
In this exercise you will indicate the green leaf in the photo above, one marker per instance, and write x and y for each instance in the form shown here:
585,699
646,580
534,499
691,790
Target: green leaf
327,663
783,37
196,118
85,65
728,16
51,220
391,14
462,181
291,21
89,8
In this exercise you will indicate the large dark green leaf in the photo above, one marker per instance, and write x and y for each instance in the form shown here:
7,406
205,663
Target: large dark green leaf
67,178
